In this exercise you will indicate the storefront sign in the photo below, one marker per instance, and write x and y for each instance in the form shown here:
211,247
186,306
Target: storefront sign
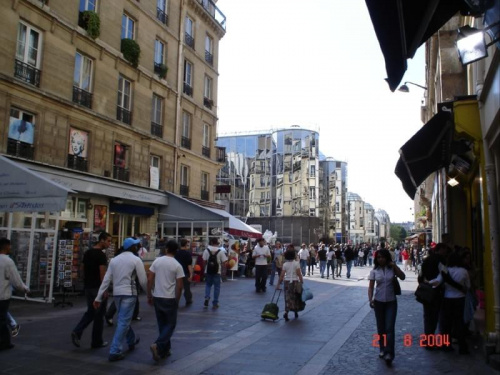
100,218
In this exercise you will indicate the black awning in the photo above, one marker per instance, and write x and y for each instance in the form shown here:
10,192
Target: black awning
427,151
404,25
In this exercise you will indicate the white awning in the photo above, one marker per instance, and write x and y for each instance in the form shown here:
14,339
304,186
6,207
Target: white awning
22,190
236,226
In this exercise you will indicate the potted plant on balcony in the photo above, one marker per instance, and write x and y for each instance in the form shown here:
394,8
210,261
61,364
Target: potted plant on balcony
163,71
91,23
131,51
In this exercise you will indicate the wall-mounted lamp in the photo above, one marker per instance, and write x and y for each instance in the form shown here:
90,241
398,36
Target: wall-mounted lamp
452,182
404,87
471,44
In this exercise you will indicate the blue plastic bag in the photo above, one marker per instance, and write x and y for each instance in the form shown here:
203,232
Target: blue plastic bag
306,294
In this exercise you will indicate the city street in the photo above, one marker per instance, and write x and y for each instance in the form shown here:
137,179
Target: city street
332,336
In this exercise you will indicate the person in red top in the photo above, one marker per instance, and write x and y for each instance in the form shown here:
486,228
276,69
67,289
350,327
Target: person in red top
406,259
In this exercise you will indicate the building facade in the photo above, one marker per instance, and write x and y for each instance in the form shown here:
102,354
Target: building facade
116,100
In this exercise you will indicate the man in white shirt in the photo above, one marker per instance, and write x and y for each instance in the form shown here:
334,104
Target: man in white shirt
165,281
214,259
260,254
9,276
303,258
122,271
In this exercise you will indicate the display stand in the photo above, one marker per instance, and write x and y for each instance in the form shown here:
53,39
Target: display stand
63,303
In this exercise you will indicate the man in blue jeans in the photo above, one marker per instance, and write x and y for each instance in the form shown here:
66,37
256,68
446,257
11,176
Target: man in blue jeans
165,282
303,257
213,270
349,258
122,271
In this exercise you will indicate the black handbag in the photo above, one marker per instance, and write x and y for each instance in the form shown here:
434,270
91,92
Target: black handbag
397,287
425,293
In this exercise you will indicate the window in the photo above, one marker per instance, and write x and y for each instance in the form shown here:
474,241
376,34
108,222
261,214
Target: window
184,188
337,207
27,64
161,11
156,116
189,29
120,163
207,93
21,134
124,100
186,130
313,171
87,5
209,47
159,56
188,78
128,27
205,191
154,172
206,140
312,192
78,146
82,80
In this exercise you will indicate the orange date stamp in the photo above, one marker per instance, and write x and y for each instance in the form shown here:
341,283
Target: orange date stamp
430,340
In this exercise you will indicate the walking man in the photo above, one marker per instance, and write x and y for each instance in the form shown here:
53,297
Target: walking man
122,271
94,269
183,256
349,258
9,277
213,258
303,257
165,281
261,253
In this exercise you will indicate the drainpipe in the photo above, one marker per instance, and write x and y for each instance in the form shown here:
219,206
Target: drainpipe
493,338
178,111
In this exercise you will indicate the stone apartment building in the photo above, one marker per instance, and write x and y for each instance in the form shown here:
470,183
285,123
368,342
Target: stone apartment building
116,100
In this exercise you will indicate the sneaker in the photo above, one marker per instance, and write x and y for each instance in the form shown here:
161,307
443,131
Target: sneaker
154,352
109,322
116,357
189,302
206,302
388,359
138,318
15,330
216,306
75,339
137,341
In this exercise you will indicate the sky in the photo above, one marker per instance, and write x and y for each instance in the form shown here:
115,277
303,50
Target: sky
318,64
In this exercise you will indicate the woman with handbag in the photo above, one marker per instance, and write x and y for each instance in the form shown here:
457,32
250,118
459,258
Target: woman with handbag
384,302
292,276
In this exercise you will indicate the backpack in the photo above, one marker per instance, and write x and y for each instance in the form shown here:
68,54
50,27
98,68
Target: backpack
212,263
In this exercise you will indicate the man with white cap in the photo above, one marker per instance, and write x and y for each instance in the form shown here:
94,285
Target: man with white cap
122,271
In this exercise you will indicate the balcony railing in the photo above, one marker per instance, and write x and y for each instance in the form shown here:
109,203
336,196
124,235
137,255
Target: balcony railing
215,12
188,90
209,58
157,129
122,174
78,163
209,103
184,190
188,38
205,195
186,143
82,97
221,154
157,68
123,115
205,151
162,16
21,149
27,73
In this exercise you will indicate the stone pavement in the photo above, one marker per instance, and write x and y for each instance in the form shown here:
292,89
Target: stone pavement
333,335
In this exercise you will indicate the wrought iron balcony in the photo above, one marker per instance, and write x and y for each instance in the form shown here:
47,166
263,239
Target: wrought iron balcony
82,97
186,143
209,58
188,90
184,190
157,129
78,163
205,151
123,115
27,73
162,16
215,12
209,103
157,68
205,195
122,174
221,154
188,38
21,149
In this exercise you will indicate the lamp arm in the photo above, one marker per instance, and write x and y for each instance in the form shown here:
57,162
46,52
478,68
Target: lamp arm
416,84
